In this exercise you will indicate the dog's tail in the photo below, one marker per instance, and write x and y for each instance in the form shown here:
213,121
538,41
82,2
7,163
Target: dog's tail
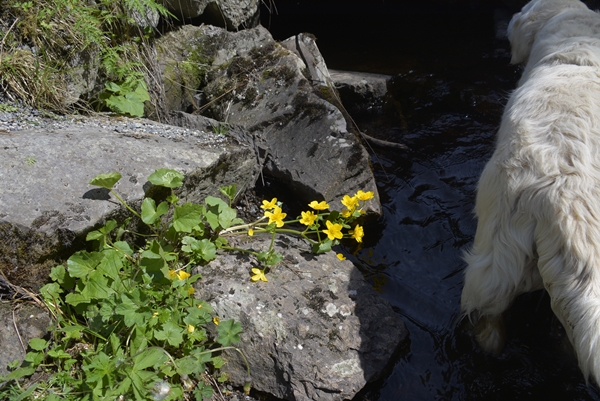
569,263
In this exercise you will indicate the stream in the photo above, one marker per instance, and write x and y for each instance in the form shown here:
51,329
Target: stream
451,79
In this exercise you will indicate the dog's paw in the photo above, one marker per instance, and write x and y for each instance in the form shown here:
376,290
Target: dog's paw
490,334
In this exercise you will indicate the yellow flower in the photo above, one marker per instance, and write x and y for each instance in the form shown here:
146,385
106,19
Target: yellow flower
364,196
276,216
308,218
357,233
340,256
319,205
346,213
155,314
258,275
191,290
350,202
333,230
216,320
266,205
250,232
182,275
190,328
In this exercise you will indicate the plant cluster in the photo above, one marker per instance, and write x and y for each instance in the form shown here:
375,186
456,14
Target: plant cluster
126,322
42,41
323,228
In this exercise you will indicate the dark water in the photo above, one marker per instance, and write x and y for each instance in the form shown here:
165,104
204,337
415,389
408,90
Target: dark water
451,79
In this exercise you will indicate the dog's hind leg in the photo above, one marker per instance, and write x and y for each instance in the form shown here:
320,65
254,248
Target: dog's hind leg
502,262
569,264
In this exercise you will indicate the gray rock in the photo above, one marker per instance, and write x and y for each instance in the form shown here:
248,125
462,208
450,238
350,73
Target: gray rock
304,46
232,14
362,93
260,85
47,206
315,331
19,324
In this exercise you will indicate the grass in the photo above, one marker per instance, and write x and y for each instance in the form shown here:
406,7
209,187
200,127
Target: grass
44,42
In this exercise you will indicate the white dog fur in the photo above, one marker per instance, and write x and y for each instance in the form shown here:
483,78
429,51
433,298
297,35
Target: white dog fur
538,199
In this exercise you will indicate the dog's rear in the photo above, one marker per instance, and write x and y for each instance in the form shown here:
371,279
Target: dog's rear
538,200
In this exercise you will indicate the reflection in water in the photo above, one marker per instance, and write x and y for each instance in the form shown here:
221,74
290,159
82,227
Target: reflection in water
450,84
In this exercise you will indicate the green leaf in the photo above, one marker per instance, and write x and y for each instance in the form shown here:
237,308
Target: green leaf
203,391
34,358
219,215
100,366
111,264
51,292
60,275
189,365
197,316
323,247
113,87
229,332
128,309
97,286
171,333
218,362
73,331
106,180
229,191
203,250
123,100
81,263
167,178
19,373
38,344
150,357
187,217
269,258
149,211
123,247
25,395
58,353
75,299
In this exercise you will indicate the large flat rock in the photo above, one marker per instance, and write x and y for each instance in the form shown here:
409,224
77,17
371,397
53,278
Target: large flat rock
47,206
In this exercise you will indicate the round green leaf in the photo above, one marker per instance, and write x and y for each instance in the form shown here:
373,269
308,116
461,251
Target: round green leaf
106,180
167,178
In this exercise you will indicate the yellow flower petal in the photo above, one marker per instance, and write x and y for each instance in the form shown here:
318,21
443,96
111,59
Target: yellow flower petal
190,328
172,274
318,205
191,290
266,205
358,233
276,216
364,196
333,231
308,218
250,232
340,256
346,213
216,320
350,202
258,274
182,275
